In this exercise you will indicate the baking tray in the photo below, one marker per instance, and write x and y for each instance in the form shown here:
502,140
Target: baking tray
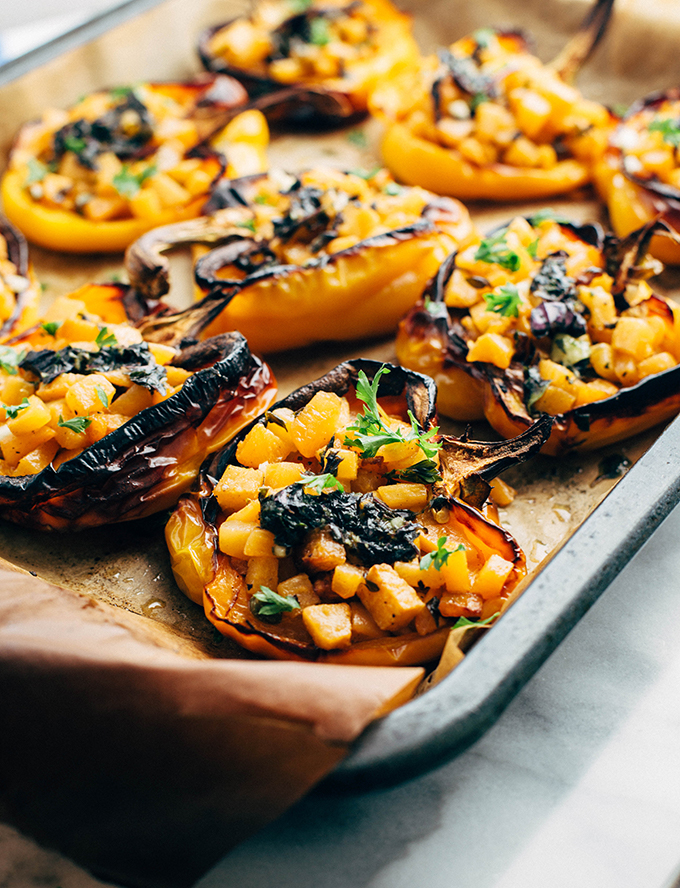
447,718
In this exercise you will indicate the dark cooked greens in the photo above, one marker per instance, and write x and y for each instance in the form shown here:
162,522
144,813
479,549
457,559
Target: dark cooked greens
135,360
371,531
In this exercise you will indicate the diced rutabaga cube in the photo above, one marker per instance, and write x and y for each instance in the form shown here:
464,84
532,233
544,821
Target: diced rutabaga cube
261,445
491,578
301,587
262,571
322,552
393,604
346,580
330,625
237,487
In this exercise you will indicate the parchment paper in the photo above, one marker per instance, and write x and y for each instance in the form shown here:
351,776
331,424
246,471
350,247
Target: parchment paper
135,738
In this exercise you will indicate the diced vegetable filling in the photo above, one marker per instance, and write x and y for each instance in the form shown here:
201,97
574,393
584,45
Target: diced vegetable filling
489,101
71,381
538,280
649,140
127,153
303,41
317,517
320,213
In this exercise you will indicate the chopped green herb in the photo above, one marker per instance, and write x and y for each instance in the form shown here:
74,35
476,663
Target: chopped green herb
477,100
358,138
9,360
392,189
262,199
249,224
436,309
365,174
569,350
319,483
74,144
101,394
78,424
424,472
269,606
12,410
299,6
127,184
50,327
319,31
504,301
483,36
439,556
463,622
532,248
370,431
495,251
547,214
120,92
670,130
36,171
105,339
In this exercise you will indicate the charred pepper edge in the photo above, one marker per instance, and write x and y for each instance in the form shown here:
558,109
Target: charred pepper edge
104,460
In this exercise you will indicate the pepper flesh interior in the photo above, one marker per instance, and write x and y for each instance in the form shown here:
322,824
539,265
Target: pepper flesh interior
321,595
486,119
121,161
332,44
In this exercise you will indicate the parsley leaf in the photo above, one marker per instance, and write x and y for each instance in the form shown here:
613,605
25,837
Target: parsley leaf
299,6
436,309
319,483
319,31
74,144
392,189
36,171
370,430
547,214
9,360
249,224
495,250
358,138
101,394
482,36
365,174
504,301
50,327
463,622
439,556
269,606
78,424
670,130
12,410
477,100
262,199
424,472
105,339
120,92
532,248
127,184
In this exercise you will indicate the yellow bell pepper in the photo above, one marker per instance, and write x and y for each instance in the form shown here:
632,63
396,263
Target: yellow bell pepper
483,119
121,162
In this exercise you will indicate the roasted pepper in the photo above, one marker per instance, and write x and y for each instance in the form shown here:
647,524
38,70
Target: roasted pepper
544,316
328,255
325,55
639,174
121,161
19,289
484,119
340,527
98,426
